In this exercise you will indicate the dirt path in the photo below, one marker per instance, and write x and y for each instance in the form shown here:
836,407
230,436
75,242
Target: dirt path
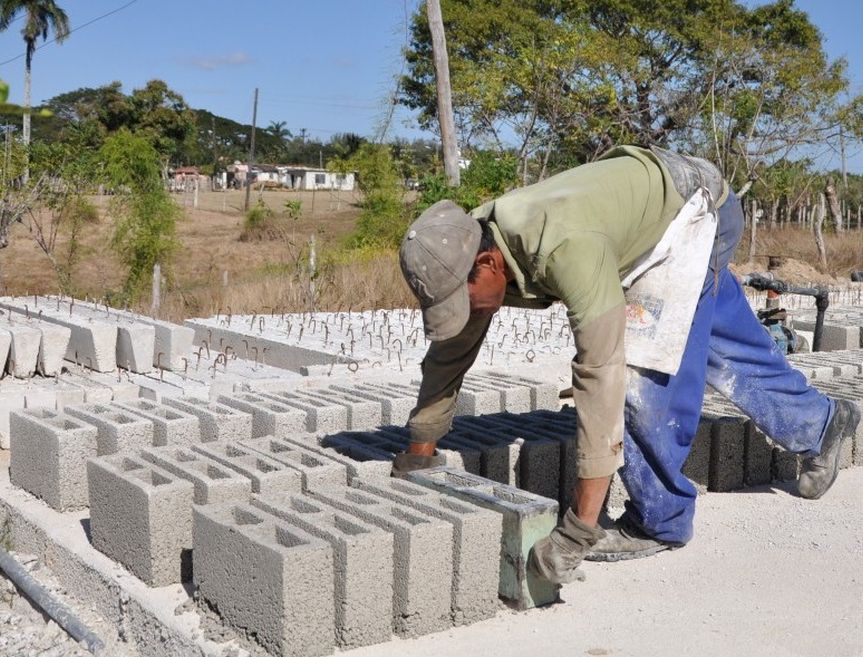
767,574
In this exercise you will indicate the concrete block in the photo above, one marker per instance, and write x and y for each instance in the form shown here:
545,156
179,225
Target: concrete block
10,400
52,348
118,430
361,413
23,349
726,454
422,566
5,346
526,519
321,416
786,465
359,460
316,469
515,396
269,417
271,581
498,458
543,395
476,543
218,422
141,516
49,456
697,465
362,561
474,399
214,483
68,394
266,474
136,346
394,410
836,336
757,457
171,426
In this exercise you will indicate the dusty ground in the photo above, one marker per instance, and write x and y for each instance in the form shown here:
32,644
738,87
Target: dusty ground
767,574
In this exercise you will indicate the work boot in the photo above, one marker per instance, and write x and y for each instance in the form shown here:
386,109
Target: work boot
627,541
404,463
557,556
819,472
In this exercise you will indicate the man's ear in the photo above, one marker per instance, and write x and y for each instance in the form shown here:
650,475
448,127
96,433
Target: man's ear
485,259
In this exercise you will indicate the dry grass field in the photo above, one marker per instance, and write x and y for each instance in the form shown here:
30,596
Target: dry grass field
272,275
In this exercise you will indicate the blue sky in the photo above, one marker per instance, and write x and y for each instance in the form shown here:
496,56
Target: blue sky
327,67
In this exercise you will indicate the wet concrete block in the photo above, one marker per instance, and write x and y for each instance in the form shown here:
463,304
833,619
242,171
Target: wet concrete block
140,515
361,413
171,426
23,349
266,474
218,422
786,465
214,483
269,580
476,543
726,454
269,418
118,430
757,457
697,464
315,468
362,561
526,519
321,416
422,567
49,456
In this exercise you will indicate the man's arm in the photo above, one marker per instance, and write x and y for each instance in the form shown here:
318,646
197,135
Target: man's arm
443,368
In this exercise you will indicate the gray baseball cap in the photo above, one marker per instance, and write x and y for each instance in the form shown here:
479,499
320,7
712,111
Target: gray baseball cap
436,256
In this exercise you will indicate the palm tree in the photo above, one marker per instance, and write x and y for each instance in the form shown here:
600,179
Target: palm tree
41,16
279,130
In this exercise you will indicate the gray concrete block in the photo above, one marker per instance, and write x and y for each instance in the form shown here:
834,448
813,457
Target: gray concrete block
269,417
362,562
267,475
315,468
499,460
214,483
476,543
836,336
422,567
726,454
474,399
361,413
118,430
359,460
141,516
10,400
321,416
544,395
23,349
49,456
171,426
394,410
218,422
136,346
526,519
269,580
697,464
786,465
757,457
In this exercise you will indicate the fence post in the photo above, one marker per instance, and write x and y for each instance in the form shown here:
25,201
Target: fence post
157,289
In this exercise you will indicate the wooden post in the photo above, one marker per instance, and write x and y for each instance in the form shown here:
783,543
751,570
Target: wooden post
312,272
444,93
251,152
195,201
816,229
157,290
833,202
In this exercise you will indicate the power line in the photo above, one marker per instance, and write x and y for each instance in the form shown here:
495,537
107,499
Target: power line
80,27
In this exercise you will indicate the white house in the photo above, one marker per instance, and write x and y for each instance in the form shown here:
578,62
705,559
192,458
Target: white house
298,177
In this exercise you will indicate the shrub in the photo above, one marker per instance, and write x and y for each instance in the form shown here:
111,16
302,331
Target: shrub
261,223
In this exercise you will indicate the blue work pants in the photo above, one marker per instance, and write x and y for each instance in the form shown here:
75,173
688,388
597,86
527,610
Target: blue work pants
728,348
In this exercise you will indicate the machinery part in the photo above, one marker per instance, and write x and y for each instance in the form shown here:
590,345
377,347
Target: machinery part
764,283
57,611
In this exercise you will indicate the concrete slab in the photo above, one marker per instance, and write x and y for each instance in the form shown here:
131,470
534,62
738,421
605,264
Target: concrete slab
140,515
362,560
270,580
49,456
526,519
23,350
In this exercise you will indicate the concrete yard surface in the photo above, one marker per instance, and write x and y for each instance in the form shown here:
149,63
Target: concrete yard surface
767,573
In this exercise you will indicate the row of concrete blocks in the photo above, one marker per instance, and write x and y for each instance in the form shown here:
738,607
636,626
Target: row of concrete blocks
29,345
103,339
821,365
305,570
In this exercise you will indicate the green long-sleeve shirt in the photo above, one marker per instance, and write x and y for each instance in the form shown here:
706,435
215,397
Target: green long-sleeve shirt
572,238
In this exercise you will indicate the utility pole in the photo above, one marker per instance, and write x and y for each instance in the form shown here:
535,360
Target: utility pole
251,152
444,94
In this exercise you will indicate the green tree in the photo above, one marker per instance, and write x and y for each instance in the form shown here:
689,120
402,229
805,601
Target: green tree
40,18
146,215
382,221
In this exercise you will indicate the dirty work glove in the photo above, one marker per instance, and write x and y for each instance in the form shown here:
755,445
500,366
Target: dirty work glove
405,463
557,556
